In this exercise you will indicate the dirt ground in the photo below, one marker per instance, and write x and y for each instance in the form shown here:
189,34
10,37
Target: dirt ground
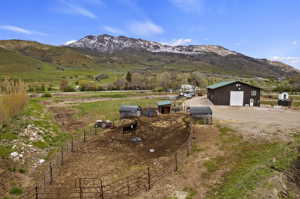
192,174
112,155
255,122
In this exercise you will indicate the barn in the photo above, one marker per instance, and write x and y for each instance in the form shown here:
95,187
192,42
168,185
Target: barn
234,93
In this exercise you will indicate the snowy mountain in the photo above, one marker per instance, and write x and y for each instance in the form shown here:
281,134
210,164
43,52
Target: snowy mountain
110,44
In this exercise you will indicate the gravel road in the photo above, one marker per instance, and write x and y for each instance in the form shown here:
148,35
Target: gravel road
254,121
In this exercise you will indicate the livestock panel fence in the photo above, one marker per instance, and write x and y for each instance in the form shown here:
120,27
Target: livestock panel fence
102,188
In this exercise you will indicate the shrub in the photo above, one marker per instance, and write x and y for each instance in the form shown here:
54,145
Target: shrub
22,170
16,191
40,144
47,95
5,151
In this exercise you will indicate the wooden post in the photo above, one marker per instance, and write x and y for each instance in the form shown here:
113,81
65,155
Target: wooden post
72,144
176,162
62,156
51,173
149,179
95,131
101,188
36,192
80,189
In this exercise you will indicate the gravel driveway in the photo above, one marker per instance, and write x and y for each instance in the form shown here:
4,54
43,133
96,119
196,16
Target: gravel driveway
254,121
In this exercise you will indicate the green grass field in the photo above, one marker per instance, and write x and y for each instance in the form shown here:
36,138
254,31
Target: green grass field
249,163
109,110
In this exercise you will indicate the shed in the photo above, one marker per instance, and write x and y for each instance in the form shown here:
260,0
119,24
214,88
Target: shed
130,111
203,113
164,107
234,93
149,112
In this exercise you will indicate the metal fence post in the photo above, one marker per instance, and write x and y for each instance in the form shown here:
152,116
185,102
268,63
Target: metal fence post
51,173
84,138
36,192
62,155
128,187
44,182
80,189
176,162
101,188
72,144
149,179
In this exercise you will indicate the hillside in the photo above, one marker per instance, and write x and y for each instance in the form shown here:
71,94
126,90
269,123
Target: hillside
208,58
116,55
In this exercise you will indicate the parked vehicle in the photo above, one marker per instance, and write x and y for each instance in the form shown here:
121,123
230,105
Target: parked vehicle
104,124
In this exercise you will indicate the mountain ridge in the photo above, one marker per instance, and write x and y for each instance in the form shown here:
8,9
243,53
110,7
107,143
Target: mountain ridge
121,54
109,44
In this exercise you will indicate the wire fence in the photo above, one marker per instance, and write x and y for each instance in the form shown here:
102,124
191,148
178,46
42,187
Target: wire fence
98,188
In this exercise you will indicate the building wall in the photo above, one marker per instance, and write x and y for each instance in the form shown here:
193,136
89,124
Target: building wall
221,96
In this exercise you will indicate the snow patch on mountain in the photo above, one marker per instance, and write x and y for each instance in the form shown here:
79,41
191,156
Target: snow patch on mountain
109,44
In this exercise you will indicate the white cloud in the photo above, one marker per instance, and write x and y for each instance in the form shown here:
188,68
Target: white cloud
71,7
16,29
145,28
69,42
194,6
178,42
113,30
294,61
21,30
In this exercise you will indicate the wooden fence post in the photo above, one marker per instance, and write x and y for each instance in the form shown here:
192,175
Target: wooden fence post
95,131
176,162
62,156
149,179
36,192
51,173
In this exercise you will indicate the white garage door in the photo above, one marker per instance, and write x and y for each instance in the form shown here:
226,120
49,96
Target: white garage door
236,98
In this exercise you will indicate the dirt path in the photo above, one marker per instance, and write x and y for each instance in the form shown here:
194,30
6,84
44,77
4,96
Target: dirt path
255,122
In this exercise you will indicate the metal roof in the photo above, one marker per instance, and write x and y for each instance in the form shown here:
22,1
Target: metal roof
203,110
162,103
220,84
129,108
225,83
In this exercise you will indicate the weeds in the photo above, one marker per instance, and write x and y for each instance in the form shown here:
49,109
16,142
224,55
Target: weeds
13,98
16,191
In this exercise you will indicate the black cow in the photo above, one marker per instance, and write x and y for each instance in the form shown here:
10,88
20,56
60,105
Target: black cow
130,127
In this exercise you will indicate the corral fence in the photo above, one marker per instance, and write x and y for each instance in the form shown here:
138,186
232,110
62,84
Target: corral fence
102,188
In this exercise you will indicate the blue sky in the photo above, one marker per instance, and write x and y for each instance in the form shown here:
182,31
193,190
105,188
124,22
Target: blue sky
259,28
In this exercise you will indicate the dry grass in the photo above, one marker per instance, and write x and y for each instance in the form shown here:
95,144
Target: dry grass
13,98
